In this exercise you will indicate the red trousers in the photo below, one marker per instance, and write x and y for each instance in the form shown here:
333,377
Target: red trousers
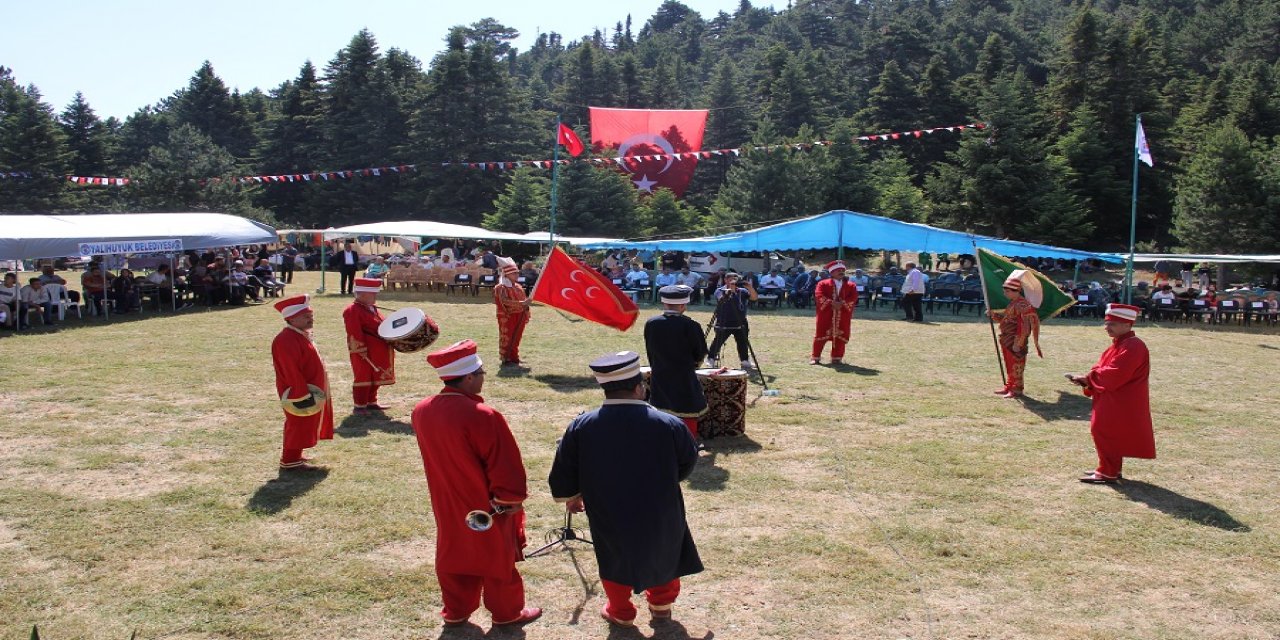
660,598
837,347
291,458
1109,465
365,396
503,597
692,423
1013,368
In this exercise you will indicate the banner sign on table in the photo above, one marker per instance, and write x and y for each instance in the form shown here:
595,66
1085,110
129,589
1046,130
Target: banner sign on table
173,245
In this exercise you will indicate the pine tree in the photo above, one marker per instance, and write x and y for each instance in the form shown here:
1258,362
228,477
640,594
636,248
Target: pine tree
523,205
896,196
87,138
595,202
207,105
1221,203
32,143
294,143
662,214
190,173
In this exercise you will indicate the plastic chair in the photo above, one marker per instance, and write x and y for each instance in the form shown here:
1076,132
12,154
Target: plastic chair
62,301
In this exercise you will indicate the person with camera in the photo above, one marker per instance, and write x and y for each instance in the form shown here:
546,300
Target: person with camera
730,318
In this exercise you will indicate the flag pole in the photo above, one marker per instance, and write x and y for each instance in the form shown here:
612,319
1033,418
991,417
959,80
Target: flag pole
982,278
555,180
1133,215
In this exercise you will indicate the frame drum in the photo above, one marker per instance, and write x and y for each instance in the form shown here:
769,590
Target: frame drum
408,330
726,393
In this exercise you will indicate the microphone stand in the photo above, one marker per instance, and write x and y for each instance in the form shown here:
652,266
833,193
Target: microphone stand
560,535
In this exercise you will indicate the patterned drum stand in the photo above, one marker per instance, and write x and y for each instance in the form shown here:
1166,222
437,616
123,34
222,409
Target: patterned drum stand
726,393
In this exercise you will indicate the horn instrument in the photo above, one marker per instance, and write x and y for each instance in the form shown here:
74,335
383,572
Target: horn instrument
483,520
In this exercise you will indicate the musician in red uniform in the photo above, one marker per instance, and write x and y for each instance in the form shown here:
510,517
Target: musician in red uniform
473,463
835,299
513,312
1019,327
373,362
1121,418
301,383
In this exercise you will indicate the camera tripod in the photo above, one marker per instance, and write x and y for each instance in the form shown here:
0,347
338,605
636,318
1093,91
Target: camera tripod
751,351
560,535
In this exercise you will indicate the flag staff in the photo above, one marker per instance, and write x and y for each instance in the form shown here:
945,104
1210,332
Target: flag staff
1140,152
982,278
555,180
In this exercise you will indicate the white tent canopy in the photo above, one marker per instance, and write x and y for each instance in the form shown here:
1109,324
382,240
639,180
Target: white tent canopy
419,229
1203,257
60,236
544,237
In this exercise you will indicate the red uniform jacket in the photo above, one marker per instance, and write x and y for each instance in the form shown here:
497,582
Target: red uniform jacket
297,365
1121,419
372,361
470,458
834,314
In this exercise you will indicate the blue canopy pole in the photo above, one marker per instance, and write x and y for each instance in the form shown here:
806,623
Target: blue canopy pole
323,262
840,249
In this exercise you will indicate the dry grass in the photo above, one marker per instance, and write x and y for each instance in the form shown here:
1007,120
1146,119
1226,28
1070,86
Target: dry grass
895,499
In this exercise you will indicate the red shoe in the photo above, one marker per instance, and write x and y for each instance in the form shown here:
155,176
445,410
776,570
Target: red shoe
527,615
604,613
1001,392
1011,394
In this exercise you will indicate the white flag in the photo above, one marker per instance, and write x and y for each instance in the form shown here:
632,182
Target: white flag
1144,151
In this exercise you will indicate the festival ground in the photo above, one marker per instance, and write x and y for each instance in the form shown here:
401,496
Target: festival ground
895,497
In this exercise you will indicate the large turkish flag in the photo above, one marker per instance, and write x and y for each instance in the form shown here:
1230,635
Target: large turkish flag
656,147
569,285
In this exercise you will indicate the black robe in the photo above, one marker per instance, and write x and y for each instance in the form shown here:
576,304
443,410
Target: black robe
675,345
626,459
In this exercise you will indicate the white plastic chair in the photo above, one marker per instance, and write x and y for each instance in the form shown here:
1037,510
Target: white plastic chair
58,293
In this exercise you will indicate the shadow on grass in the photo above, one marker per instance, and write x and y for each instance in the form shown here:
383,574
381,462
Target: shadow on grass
707,476
354,426
513,371
566,384
1180,506
278,493
1069,406
845,367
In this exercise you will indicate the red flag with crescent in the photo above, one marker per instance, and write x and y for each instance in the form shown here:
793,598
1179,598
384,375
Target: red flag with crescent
656,147
572,286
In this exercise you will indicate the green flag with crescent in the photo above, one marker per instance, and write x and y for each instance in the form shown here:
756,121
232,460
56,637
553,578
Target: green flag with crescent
1037,288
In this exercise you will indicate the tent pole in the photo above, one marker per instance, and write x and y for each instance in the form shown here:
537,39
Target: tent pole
323,262
555,181
840,248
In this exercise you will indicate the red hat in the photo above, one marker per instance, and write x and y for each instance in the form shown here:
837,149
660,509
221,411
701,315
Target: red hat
455,360
835,264
1122,312
290,307
368,285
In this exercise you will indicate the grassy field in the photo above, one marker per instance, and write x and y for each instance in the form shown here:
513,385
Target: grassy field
895,498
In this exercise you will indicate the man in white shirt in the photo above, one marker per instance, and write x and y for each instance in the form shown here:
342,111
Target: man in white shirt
913,294
637,278
35,295
666,278
691,279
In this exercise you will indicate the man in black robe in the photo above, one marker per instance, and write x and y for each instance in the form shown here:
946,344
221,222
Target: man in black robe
623,464
676,346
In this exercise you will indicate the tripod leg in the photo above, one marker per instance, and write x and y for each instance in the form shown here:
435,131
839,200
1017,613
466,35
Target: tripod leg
752,350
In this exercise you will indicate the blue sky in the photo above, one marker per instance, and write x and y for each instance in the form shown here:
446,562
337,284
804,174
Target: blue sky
124,54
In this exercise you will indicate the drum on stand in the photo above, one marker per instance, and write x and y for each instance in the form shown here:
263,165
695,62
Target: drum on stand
726,392
408,330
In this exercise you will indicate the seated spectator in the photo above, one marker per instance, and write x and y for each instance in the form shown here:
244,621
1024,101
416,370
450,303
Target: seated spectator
860,279
637,277
47,276
801,291
124,292
666,278
10,300
446,262
267,278
617,272
241,284
772,282
691,279
94,283
377,268
34,295
1165,293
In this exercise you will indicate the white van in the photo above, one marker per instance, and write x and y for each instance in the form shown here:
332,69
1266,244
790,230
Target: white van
707,263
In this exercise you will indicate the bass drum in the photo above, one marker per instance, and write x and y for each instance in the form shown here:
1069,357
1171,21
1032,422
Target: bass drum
409,330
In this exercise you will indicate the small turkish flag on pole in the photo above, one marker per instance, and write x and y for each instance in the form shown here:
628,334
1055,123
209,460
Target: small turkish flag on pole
572,286
570,140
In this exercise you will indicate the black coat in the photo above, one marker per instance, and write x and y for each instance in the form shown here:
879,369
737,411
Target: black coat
675,345
626,459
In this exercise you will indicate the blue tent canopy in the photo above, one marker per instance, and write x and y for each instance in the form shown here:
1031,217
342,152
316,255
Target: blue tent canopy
857,231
